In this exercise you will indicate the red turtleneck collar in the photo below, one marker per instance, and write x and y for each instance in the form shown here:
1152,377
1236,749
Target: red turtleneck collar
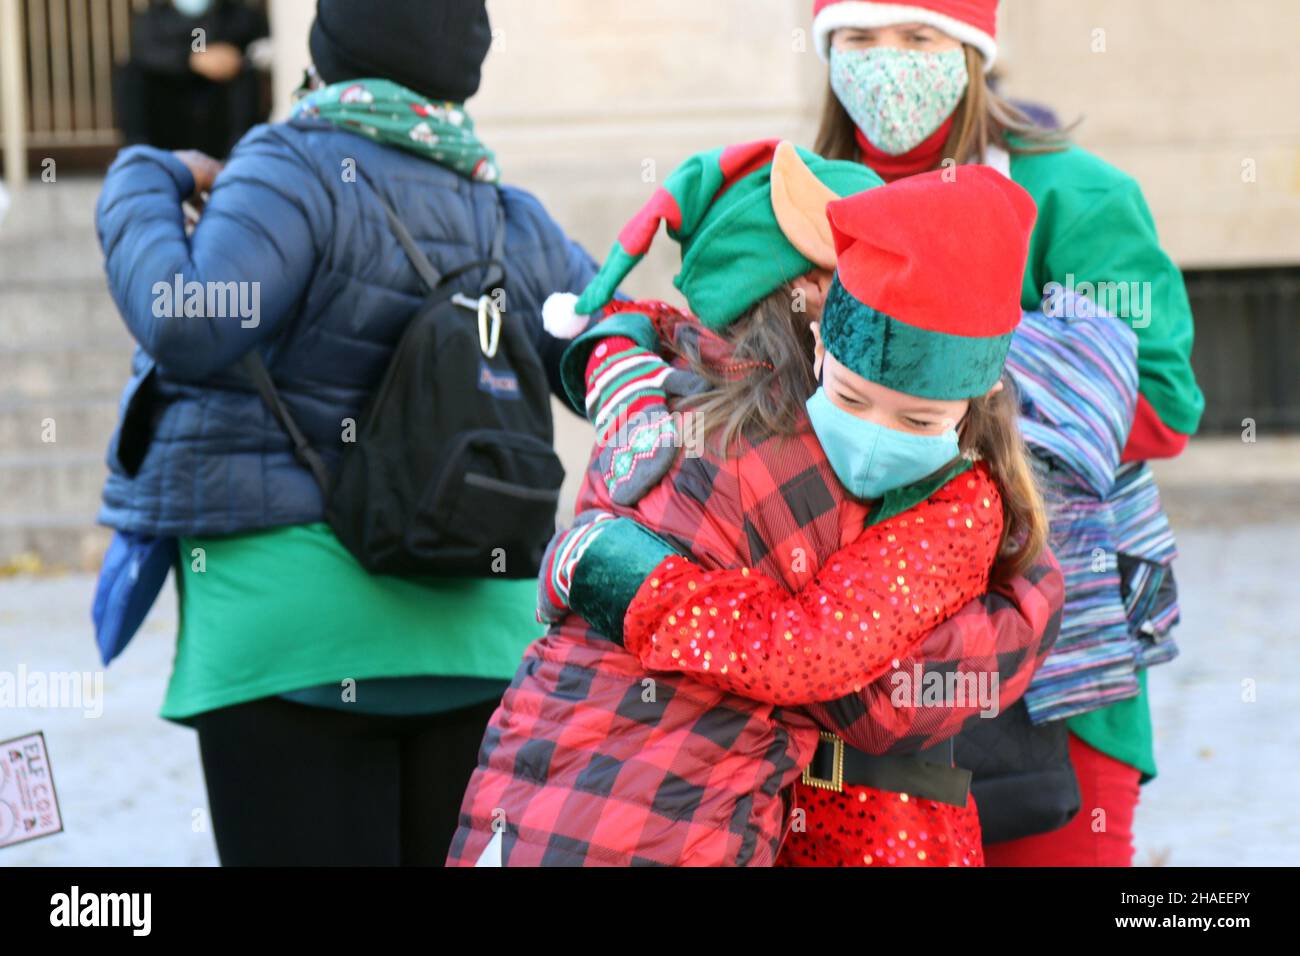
920,158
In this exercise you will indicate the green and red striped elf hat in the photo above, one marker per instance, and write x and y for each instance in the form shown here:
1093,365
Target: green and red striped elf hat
926,293
718,206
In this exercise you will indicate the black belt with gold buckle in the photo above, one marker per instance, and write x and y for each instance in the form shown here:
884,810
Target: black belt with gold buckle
926,775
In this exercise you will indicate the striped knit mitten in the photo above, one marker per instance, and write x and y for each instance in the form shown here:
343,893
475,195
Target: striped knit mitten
555,577
627,402
595,570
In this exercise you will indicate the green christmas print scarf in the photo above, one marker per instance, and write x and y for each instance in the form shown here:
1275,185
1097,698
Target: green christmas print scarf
390,113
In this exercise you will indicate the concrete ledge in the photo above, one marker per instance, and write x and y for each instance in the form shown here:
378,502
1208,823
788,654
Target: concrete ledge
1224,482
1230,461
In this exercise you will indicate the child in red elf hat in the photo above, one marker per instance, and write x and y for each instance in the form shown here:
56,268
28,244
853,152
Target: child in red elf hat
913,417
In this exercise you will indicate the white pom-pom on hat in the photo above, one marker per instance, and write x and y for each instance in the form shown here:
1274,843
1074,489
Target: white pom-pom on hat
560,316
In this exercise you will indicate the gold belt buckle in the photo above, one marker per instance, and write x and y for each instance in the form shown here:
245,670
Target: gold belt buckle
836,782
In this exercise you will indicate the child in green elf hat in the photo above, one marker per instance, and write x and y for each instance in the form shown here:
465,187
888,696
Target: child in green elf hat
913,416
589,759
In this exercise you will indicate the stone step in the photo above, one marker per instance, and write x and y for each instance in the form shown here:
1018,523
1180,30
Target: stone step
93,366
82,425
50,482
63,207
52,259
43,314
44,543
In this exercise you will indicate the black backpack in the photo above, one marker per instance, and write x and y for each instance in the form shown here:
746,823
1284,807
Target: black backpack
453,470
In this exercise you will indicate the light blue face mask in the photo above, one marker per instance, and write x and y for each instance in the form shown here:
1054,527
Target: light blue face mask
192,8
870,459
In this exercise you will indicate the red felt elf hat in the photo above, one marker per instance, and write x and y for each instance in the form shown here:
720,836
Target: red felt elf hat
928,279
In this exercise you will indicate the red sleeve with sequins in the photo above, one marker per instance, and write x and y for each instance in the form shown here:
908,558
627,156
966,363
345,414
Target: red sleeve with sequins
873,599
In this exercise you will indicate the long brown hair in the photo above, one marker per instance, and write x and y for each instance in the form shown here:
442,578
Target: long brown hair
991,433
982,118
769,377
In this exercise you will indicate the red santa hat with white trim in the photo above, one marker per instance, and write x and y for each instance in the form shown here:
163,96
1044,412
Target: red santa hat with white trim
974,22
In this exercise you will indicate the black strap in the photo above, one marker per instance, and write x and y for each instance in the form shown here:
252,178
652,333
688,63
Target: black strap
438,286
430,276
255,367
498,251
434,280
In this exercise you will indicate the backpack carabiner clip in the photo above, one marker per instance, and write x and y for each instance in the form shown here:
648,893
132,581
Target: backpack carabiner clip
489,321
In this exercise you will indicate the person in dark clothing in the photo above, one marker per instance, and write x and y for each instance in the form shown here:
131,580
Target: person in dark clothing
190,83
339,714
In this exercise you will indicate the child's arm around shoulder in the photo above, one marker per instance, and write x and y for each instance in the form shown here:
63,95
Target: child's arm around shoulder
867,605
615,375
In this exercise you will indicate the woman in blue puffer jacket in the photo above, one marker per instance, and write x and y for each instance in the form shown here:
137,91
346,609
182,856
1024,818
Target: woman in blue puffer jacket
339,714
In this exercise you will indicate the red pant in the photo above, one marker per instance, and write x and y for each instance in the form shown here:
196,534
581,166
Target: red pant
1091,838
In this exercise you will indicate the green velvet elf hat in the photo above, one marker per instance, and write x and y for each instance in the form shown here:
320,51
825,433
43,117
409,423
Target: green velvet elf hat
926,293
718,206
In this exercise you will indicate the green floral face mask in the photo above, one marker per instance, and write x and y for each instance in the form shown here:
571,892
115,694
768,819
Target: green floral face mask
898,98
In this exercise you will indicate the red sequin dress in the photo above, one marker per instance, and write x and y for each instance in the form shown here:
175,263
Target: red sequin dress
873,600
864,826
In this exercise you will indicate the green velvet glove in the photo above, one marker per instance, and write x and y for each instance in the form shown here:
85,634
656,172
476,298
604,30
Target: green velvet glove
596,568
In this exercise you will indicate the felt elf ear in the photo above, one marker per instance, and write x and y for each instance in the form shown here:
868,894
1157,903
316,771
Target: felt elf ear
799,200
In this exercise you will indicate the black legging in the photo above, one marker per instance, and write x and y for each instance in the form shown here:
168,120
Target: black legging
294,785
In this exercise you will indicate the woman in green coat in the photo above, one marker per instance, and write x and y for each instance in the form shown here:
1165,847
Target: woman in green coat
908,93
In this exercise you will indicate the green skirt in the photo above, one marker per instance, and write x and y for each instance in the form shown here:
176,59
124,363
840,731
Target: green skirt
1122,730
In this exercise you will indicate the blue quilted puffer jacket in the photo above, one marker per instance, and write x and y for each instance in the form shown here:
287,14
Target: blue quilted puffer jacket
196,452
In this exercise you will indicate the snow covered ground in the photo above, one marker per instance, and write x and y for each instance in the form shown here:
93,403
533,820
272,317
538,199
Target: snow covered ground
131,788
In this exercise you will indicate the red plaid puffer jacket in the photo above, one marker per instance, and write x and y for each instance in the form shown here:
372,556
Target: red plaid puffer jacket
592,760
